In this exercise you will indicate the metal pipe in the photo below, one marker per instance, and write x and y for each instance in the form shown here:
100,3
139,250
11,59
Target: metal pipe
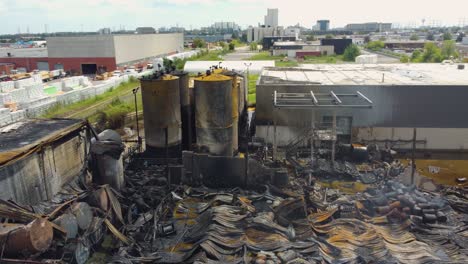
364,97
336,97
314,99
324,106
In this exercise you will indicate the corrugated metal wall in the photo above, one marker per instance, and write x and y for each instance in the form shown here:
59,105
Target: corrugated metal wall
41,175
394,106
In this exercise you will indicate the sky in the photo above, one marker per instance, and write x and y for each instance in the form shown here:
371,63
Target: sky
90,15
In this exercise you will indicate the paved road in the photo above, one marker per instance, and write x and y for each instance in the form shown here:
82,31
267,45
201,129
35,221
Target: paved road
240,54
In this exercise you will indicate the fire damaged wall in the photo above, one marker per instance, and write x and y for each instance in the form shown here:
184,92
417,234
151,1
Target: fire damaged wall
435,106
41,174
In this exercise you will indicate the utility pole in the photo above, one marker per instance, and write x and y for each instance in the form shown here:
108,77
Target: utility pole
140,141
413,154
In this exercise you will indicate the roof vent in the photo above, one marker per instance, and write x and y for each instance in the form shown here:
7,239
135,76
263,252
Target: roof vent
461,66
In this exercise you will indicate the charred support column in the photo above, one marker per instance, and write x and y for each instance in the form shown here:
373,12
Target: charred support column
161,111
312,127
185,109
275,143
413,154
213,114
334,138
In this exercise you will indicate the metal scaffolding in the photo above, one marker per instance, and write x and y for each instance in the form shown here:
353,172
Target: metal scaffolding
311,100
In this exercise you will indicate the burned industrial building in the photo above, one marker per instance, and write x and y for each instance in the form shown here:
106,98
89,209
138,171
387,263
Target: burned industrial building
330,167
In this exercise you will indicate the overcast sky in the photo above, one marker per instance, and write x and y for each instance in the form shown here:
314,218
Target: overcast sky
90,15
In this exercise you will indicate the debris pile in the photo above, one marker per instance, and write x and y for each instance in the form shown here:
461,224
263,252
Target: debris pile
307,224
62,230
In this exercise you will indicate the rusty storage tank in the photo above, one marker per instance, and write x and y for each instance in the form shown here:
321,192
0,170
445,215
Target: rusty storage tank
213,114
185,109
161,113
235,108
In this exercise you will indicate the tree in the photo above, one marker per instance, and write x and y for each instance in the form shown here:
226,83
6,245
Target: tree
404,59
223,44
351,52
232,46
416,56
449,49
382,38
460,37
367,39
310,38
430,36
431,53
447,36
199,43
235,35
414,37
375,45
253,46
329,36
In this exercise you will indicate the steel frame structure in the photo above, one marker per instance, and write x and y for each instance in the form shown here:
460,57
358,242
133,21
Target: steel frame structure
314,101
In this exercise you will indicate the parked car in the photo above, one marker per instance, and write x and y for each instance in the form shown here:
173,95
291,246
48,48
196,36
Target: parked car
117,73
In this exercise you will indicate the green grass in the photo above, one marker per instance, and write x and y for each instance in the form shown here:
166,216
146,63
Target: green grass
286,64
64,110
322,59
265,55
252,92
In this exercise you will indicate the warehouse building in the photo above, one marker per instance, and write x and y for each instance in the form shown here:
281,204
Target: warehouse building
294,49
39,157
24,59
339,45
369,27
89,54
420,103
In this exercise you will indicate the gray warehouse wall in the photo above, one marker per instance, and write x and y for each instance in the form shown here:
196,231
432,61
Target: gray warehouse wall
100,46
136,47
41,175
394,106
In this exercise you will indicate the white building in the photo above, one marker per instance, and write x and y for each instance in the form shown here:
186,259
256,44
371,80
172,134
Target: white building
256,34
271,19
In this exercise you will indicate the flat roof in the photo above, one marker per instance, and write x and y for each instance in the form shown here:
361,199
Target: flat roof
23,52
368,74
255,67
33,131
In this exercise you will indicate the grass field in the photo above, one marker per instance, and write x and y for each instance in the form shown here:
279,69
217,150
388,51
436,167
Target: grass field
279,60
84,109
322,59
252,93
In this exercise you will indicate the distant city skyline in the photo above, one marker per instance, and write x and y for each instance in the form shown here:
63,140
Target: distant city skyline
90,15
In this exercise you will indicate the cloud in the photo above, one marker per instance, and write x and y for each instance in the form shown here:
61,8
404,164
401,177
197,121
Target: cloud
69,15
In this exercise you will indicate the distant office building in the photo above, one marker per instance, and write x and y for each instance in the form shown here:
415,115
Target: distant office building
104,31
271,19
256,34
369,27
225,26
323,25
145,30
339,45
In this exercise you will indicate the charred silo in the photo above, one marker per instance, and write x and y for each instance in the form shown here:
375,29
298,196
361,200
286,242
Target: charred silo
161,114
185,109
235,109
214,114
